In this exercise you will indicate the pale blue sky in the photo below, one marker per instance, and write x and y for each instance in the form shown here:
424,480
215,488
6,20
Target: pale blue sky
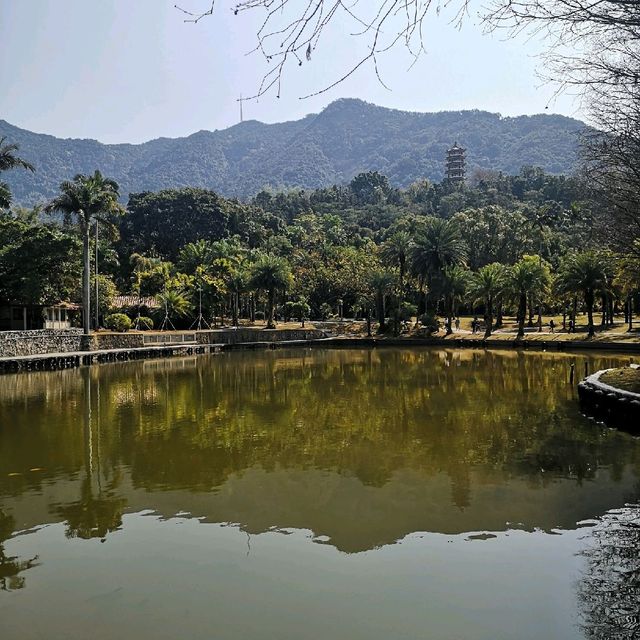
132,70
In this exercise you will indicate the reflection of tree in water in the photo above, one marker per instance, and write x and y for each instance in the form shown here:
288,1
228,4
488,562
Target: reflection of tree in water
92,516
481,418
11,566
609,592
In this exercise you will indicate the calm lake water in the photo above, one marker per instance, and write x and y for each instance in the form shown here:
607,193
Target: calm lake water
316,494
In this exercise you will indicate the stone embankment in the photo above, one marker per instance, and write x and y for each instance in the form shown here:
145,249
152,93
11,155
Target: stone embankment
52,349
615,407
28,343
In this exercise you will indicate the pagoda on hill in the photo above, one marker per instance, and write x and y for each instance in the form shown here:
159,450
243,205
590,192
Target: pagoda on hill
456,164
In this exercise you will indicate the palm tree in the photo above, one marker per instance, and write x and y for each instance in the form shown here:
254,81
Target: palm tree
237,283
196,254
395,252
628,279
9,159
436,246
174,302
5,196
381,282
529,276
87,198
455,280
271,274
585,272
487,286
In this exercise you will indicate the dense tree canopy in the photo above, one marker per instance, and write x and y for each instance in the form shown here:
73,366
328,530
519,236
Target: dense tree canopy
500,245
38,263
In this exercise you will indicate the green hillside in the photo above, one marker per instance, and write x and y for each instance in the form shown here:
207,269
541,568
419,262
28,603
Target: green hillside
347,137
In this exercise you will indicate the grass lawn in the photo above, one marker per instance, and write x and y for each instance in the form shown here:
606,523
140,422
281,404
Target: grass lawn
617,333
626,378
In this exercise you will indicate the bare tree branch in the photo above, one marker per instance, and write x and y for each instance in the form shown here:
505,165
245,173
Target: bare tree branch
291,31
592,49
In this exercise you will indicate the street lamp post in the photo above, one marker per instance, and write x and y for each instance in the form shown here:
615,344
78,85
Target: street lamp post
97,285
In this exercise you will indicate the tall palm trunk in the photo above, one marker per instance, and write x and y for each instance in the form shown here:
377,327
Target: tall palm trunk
236,304
270,306
499,321
488,317
530,323
626,310
86,271
630,312
589,299
522,313
380,312
611,311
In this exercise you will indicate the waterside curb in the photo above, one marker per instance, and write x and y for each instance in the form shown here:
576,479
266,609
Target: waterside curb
615,407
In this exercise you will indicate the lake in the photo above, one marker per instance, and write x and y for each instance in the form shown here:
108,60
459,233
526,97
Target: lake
310,494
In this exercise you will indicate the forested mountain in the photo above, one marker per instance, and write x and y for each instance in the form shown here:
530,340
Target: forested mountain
346,138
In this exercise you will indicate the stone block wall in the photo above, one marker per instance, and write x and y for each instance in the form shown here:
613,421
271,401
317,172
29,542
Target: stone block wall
249,334
116,341
29,343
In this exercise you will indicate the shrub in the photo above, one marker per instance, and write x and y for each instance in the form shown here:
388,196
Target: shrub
288,310
300,310
430,321
326,310
407,311
259,315
145,323
118,322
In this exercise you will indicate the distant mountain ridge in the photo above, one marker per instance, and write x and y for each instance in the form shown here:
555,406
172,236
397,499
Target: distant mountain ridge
349,136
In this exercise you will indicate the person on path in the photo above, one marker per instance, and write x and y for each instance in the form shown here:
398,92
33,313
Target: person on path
552,325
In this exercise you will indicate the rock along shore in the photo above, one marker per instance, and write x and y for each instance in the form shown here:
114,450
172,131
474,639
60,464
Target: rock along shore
615,407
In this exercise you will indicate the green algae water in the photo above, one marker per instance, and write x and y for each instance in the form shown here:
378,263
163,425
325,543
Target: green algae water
313,494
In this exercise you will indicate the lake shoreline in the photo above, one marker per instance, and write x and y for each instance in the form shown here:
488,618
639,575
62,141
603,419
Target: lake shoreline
613,405
203,343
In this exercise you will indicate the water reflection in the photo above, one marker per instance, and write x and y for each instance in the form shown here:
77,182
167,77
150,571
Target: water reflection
609,592
362,447
11,567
